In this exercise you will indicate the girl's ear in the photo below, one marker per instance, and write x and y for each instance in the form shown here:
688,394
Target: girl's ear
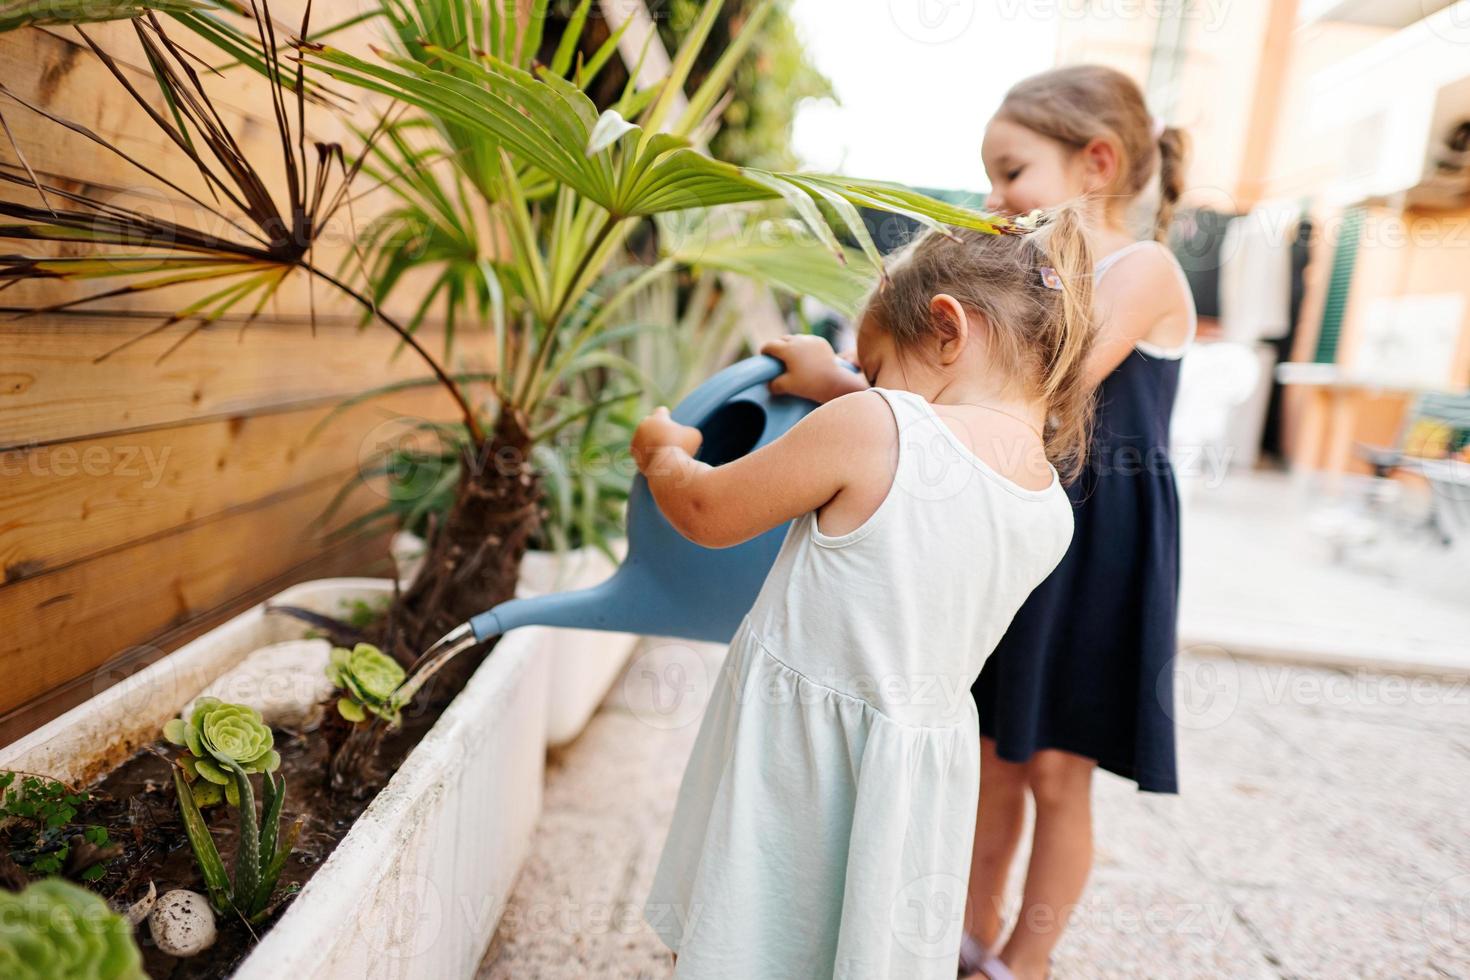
1100,164
954,326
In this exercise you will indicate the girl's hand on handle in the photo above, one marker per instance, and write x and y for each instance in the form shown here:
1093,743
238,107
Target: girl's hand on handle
812,370
659,431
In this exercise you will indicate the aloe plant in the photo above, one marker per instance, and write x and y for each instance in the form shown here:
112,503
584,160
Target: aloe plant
55,929
225,743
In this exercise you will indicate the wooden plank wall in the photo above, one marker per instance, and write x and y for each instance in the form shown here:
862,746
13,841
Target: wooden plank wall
144,500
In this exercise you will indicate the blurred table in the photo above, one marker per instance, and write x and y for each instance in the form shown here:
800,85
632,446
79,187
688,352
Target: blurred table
1337,409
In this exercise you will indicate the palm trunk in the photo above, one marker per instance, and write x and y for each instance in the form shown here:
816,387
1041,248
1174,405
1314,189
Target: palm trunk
474,555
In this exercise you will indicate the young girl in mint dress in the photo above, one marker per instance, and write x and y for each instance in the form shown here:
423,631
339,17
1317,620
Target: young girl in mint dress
823,827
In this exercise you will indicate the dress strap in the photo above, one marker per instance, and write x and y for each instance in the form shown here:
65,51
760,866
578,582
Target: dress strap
1102,265
1105,263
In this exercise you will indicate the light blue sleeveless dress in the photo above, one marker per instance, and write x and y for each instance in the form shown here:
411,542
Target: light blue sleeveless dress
824,824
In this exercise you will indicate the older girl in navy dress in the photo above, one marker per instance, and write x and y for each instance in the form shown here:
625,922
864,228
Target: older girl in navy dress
1083,676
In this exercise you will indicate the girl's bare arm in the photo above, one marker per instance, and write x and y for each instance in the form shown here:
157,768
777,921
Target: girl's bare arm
1144,302
719,507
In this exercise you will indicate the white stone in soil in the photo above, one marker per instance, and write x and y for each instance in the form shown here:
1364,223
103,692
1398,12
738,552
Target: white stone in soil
285,682
182,923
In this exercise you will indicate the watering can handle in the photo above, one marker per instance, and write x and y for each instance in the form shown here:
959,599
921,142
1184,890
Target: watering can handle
761,369
700,403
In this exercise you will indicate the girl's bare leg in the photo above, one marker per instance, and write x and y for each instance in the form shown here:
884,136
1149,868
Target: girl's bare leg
1061,858
998,825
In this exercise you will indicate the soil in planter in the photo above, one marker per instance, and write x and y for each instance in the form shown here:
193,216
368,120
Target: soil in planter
136,803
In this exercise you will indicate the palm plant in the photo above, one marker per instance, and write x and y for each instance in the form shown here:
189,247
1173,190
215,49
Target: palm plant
223,745
552,190
533,198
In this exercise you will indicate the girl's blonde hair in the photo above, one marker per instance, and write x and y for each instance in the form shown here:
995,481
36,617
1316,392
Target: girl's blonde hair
1034,287
1079,104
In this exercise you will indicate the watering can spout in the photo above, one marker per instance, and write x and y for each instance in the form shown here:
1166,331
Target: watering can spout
594,608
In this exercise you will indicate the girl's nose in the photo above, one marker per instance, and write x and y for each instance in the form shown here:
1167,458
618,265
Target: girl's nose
995,201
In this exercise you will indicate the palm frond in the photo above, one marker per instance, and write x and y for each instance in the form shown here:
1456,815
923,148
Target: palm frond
61,13
783,256
544,121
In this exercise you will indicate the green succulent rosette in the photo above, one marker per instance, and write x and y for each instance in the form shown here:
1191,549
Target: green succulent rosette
370,679
219,736
57,929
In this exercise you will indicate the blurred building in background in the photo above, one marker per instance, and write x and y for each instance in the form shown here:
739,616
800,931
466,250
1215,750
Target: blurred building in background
1327,225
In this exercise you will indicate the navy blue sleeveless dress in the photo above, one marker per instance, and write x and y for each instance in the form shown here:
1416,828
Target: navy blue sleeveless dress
1087,664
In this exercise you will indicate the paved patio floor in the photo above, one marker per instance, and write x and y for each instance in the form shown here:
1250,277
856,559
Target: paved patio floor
1323,831
1259,576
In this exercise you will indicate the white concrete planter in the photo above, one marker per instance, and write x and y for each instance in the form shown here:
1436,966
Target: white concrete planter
417,886
584,663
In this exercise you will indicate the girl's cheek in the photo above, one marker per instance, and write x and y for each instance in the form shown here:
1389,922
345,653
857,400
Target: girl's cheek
1039,192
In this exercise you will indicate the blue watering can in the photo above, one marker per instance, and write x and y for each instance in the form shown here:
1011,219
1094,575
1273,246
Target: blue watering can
667,585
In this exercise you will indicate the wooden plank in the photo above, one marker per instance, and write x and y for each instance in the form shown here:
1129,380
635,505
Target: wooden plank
73,501
62,625
55,70
51,390
70,81
359,556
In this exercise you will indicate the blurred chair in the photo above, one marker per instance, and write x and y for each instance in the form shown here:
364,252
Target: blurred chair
1434,442
1449,481
1214,380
